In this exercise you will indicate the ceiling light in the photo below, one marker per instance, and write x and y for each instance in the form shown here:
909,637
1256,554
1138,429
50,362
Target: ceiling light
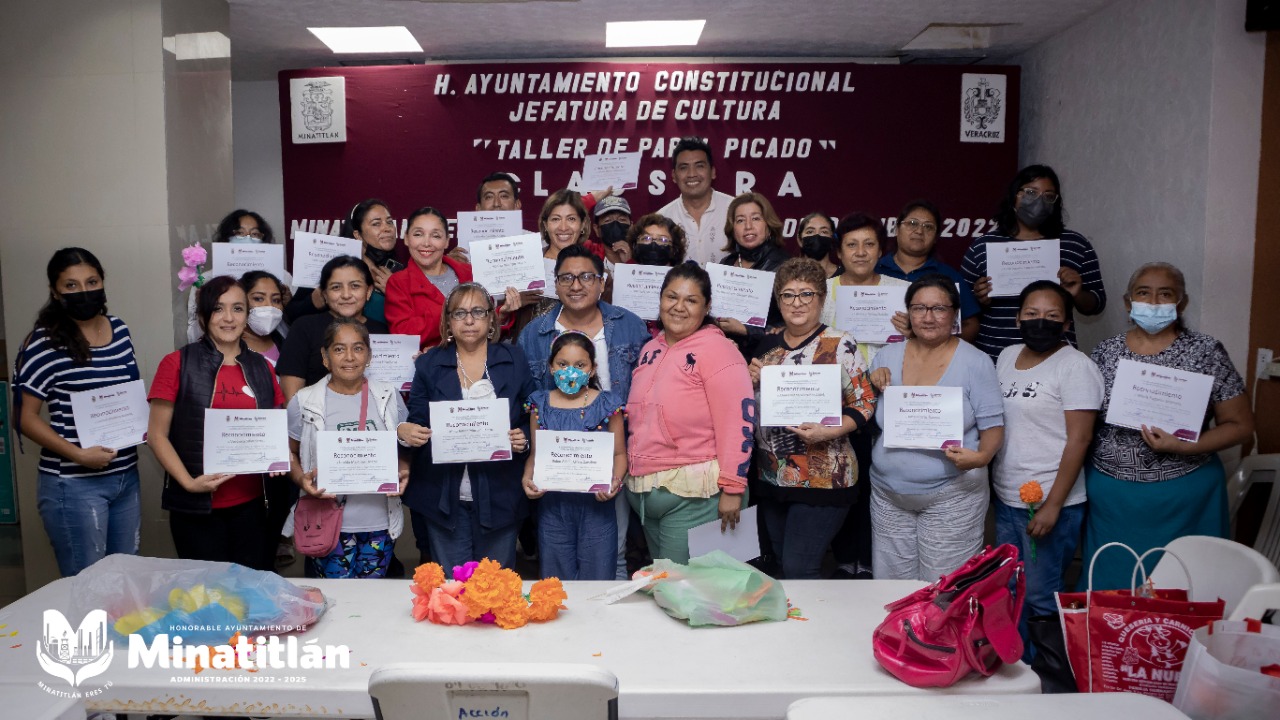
652,33
367,39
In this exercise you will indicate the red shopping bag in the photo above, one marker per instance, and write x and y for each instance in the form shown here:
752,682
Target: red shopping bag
1131,641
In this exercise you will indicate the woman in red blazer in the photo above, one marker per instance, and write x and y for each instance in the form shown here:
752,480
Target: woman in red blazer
416,295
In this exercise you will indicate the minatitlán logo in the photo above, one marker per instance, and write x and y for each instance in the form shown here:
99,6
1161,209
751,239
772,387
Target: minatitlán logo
75,655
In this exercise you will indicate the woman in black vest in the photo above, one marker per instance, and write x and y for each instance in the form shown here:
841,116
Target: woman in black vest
212,517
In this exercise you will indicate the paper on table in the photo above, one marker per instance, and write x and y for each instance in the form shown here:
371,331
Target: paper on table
312,250
488,225
509,262
796,394
620,171
741,543
391,359
740,293
1015,265
352,463
236,259
636,288
113,417
1173,400
245,441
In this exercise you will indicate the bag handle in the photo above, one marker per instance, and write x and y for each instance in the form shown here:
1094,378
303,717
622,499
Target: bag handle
1133,581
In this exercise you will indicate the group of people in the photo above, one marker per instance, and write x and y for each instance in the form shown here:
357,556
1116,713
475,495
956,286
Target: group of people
680,395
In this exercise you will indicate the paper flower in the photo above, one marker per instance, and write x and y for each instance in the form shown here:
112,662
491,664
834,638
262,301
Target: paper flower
1031,493
428,576
194,256
463,572
187,277
483,591
544,599
444,607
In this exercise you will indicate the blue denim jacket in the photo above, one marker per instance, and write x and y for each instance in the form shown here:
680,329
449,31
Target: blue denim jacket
624,334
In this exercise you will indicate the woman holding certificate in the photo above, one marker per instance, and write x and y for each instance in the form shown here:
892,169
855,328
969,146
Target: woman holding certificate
467,406
1148,486
371,223
415,295
218,517
238,227
808,472
754,232
88,497
692,417
942,421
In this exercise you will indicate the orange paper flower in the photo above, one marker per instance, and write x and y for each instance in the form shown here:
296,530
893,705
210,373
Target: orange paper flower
1031,492
544,599
489,586
428,576
490,593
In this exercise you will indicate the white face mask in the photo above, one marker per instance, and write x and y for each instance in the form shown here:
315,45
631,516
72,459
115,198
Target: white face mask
240,239
265,319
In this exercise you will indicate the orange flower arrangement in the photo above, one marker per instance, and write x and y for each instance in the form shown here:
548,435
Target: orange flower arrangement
1032,494
483,591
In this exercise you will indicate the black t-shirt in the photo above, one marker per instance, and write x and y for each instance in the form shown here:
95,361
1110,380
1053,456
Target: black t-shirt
300,356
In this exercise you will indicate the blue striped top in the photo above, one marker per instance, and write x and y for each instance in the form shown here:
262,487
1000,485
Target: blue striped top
50,374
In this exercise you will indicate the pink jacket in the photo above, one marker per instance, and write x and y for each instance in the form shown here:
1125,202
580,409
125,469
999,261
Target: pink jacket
692,402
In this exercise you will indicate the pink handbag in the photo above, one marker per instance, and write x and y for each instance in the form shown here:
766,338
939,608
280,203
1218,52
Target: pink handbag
966,622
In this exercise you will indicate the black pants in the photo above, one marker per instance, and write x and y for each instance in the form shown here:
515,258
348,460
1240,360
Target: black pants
853,543
235,534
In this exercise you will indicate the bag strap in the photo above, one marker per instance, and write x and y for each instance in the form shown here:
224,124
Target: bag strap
1133,580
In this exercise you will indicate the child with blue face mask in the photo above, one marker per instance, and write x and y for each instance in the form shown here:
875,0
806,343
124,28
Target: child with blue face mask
577,532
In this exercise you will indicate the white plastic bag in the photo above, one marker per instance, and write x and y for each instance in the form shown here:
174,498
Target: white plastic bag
1221,676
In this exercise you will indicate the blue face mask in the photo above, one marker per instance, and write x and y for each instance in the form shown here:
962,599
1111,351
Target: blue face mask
1153,318
244,240
571,380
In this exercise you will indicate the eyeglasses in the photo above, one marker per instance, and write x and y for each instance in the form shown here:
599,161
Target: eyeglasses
477,312
660,239
804,297
934,310
586,278
1031,193
254,233
926,226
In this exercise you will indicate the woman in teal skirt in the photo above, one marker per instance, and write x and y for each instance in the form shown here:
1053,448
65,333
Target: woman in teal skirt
1147,487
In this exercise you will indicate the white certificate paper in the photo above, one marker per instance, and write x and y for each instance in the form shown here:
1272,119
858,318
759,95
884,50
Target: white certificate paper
638,288
620,171
1015,265
1173,400
246,441
236,259
866,312
354,463
488,225
741,543
112,417
470,431
740,293
549,269
573,461
391,359
311,251
923,416
509,262
795,394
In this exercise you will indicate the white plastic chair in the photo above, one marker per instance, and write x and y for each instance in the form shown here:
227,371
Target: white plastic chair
1252,470
518,691
1257,601
1219,569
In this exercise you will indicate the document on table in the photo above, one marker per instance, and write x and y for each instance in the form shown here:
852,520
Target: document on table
509,262
866,312
488,225
573,461
112,417
236,259
795,394
470,431
391,359
1015,265
357,463
311,251
741,543
740,293
246,441
638,287
923,416
1173,400
620,171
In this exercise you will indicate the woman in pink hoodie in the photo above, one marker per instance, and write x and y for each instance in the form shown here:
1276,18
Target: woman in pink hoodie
691,417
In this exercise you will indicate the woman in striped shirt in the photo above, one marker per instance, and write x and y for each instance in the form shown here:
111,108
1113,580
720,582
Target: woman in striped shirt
88,497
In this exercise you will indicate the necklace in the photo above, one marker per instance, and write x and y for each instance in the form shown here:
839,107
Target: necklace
466,379
582,413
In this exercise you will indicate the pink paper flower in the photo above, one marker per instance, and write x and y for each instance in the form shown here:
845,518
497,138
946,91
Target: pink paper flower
444,608
187,277
194,255
462,573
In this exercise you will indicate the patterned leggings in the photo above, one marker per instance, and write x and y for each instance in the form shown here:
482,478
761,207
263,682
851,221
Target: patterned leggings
357,555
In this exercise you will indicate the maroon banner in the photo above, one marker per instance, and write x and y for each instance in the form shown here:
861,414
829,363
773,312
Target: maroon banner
835,137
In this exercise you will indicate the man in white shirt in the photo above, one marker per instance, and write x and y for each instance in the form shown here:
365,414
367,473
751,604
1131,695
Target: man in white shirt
700,210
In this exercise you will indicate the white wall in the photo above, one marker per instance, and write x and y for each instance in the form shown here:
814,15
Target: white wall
1150,111
259,178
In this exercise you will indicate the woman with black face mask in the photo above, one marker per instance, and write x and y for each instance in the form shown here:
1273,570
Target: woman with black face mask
88,497
816,237
371,223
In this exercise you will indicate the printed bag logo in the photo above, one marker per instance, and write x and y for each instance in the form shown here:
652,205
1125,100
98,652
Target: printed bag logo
75,655
982,108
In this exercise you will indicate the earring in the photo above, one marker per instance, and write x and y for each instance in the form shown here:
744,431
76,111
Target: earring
491,330
448,336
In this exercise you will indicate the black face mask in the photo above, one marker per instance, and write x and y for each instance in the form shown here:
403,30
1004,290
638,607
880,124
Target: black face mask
753,255
652,254
817,247
85,305
613,232
383,258
1042,335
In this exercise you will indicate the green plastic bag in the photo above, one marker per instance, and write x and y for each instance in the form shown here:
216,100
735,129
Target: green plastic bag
716,589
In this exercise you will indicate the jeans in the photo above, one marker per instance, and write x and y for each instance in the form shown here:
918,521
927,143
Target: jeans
1052,556
468,541
667,518
923,537
232,534
800,534
90,518
577,537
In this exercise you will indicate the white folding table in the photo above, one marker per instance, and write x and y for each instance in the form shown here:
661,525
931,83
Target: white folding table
987,707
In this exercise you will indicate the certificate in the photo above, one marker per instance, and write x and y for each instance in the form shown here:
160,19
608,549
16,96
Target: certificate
620,171
353,463
509,262
573,461
740,293
1173,400
391,359
923,416
236,259
246,441
795,394
740,543
549,269
311,251
112,417
488,225
1015,265
470,431
638,288
866,312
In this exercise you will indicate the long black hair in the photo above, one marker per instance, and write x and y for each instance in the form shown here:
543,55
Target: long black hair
1006,215
53,318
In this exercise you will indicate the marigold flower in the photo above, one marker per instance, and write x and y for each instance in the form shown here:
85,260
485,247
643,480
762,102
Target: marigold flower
429,576
544,599
1031,492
